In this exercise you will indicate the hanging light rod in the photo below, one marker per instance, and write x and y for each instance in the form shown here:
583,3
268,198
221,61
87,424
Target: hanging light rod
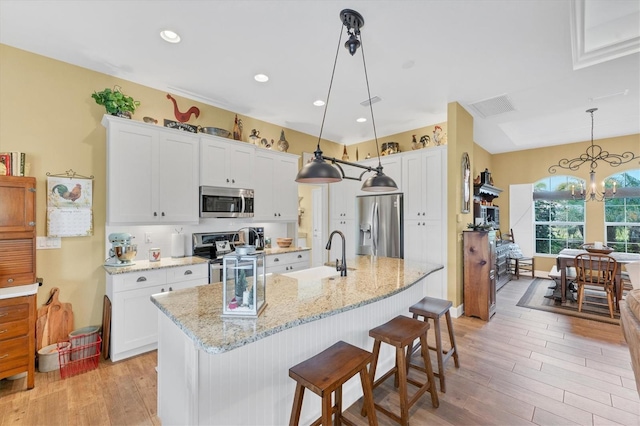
317,170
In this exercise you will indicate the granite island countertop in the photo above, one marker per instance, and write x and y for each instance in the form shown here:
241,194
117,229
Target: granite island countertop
290,302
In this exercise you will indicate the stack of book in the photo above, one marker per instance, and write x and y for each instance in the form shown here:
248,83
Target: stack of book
12,163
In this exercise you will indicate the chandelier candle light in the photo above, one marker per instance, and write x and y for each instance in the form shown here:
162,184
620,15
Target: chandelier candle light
317,170
594,154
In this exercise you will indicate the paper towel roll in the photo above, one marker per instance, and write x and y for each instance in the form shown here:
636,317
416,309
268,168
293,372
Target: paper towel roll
177,245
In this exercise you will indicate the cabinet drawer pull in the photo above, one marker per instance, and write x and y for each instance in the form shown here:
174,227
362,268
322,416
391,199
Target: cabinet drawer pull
162,213
162,290
3,331
276,260
170,288
188,272
10,280
4,356
299,256
141,279
32,224
4,314
155,213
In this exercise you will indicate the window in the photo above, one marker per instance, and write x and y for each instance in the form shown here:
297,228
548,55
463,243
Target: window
622,213
558,218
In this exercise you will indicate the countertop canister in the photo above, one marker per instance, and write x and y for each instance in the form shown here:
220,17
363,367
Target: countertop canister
177,245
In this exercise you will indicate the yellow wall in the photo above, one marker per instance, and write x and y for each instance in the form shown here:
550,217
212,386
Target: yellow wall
460,124
531,165
46,111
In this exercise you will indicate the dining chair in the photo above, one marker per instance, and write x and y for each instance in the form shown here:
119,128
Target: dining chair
597,272
518,263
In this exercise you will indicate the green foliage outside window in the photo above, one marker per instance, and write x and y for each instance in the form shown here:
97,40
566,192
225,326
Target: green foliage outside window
622,215
559,223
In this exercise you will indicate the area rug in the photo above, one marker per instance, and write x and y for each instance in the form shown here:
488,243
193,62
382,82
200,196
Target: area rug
534,298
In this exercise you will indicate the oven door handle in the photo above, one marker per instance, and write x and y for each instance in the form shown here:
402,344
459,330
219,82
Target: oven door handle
242,207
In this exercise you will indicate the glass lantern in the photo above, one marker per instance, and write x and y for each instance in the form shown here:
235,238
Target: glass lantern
243,285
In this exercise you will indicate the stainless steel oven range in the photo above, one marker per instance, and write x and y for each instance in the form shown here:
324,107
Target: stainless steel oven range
213,246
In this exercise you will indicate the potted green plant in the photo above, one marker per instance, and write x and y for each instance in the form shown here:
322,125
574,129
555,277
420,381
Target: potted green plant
116,102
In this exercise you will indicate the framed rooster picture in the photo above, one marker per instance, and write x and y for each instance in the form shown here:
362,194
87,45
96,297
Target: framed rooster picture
69,207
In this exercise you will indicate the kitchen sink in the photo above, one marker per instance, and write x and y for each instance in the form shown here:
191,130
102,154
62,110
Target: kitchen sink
316,273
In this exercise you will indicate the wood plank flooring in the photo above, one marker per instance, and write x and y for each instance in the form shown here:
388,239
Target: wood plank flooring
523,367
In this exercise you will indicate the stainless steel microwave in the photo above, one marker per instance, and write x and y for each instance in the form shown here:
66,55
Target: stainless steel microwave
225,202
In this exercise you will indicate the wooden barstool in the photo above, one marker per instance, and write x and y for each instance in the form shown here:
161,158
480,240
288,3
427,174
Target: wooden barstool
401,332
432,308
325,373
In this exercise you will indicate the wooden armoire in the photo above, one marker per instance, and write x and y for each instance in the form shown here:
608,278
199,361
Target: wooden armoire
479,273
17,267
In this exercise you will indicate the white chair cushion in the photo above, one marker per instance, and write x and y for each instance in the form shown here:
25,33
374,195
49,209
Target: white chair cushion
634,273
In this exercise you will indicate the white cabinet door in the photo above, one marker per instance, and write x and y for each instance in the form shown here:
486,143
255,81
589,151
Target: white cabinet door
226,163
152,174
276,191
286,188
131,172
134,321
413,182
264,201
178,178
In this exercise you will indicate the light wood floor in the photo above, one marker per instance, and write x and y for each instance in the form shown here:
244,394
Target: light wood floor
522,367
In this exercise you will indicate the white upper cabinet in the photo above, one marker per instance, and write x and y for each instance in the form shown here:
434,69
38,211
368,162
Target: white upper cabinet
226,163
276,191
424,183
152,174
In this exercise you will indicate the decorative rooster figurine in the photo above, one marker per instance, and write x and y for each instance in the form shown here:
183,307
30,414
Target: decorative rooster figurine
183,117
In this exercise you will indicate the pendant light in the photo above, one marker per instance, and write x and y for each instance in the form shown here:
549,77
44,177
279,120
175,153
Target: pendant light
318,170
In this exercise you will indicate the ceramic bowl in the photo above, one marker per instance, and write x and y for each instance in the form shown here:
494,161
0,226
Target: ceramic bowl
284,242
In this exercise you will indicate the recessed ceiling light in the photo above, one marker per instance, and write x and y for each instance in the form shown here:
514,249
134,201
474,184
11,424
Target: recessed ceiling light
361,120
170,36
261,78
319,102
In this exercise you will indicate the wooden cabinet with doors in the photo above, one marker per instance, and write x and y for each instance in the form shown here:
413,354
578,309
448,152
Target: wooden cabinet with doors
17,231
17,267
17,337
479,249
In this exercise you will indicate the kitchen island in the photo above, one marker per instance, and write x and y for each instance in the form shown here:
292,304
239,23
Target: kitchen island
235,371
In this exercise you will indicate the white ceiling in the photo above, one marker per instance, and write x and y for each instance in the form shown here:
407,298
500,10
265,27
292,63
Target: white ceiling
420,56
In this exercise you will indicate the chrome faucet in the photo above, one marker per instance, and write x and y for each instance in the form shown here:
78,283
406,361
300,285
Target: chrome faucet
339,267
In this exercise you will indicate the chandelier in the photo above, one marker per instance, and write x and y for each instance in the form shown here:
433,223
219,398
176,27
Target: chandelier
317,170
593,154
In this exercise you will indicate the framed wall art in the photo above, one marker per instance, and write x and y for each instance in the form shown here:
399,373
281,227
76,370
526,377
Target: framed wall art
466,183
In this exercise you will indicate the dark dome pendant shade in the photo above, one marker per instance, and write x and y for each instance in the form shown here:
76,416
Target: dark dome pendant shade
317,170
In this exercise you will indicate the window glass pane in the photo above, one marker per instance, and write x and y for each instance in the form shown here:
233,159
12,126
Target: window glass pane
559,223
622,215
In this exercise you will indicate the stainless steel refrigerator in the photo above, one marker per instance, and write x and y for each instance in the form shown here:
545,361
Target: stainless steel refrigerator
380,225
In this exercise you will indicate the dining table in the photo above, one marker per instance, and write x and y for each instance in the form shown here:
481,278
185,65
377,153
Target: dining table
566,258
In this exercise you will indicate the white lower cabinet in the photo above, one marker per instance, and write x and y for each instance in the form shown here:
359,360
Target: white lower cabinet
288,262
134,318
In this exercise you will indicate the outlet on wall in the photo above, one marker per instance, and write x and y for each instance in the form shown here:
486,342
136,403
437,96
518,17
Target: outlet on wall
147,237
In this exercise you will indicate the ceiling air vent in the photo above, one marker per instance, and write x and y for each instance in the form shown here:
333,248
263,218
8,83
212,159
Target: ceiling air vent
373,100
493,106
